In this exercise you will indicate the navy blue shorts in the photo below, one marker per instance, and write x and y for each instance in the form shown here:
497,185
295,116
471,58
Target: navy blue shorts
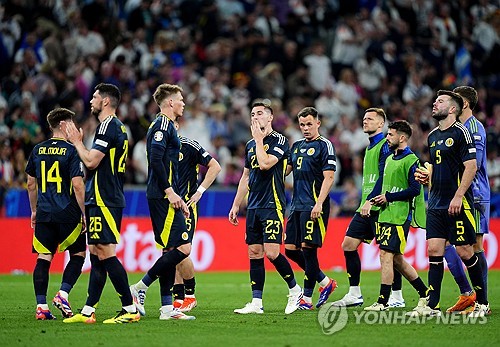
301,229
392,238
264,225
365,229
169,224
458,230
103,224
67,236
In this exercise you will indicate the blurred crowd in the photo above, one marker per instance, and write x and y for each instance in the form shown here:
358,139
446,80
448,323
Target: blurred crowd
341,56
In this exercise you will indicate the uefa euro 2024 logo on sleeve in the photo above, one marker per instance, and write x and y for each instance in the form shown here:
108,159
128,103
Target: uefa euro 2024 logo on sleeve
332,319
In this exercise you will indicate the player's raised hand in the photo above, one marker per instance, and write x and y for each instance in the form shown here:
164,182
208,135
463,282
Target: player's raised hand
257,132
71,132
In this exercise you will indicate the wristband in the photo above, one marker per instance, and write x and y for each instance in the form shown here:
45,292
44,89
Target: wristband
201,189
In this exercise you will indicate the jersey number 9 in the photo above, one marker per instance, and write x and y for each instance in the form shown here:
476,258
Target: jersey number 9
299,163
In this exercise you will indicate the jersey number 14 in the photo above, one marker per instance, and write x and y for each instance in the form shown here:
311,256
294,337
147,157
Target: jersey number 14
51,176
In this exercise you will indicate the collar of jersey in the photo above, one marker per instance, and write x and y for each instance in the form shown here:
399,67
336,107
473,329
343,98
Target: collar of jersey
317,137
402,152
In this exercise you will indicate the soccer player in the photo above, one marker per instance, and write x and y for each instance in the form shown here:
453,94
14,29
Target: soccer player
167,209
364,226
450,213
104,199
401,203
313,163
191,156
481,192
263,179
57,198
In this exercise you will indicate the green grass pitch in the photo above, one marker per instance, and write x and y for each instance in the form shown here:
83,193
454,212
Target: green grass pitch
216,324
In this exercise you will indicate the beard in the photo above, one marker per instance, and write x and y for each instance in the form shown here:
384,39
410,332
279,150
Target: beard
439,116
393,146
96,112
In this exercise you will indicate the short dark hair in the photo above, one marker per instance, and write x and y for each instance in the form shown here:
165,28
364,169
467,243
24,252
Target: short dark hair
456,98
469,94
164,90
401,126
380,112
306,111
57,115
111,91
263,104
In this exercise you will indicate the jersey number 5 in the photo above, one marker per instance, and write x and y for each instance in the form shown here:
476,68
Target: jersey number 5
438,156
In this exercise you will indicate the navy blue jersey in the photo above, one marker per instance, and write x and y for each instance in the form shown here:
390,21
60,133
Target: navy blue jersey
54,163
449,149
162,141
192,155
104,186
308,160
267,187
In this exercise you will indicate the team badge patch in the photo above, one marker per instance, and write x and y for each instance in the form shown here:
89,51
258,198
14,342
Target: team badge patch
184,236
158,136
449,142
266,147
310,151
181,156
